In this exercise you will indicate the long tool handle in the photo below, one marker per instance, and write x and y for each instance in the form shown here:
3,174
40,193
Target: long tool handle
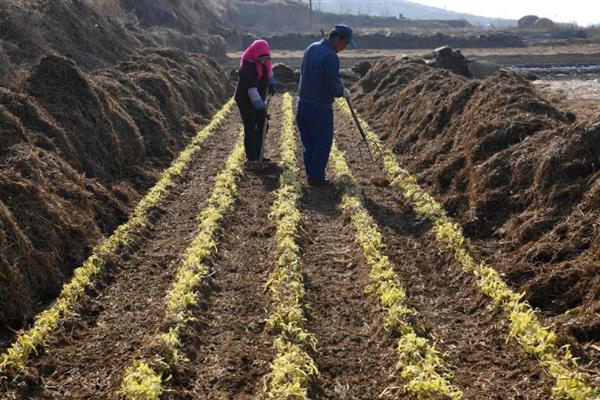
356,120
265,129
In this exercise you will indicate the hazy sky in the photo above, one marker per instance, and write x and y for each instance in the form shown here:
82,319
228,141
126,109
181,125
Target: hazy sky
584,12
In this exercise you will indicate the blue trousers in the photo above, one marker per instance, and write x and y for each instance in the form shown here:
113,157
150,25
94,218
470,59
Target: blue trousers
316,132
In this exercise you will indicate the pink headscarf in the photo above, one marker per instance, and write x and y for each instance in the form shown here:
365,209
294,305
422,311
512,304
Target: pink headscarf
256,49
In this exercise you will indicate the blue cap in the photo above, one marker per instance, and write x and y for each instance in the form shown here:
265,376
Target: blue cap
345,32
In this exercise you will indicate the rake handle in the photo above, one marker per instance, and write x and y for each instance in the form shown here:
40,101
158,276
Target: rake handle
265,128
356,120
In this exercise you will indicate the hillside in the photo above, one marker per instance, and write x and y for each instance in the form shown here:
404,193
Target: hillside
408,9
264,18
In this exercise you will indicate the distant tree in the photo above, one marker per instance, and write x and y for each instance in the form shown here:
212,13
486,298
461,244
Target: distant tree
358,9
384,9
344,6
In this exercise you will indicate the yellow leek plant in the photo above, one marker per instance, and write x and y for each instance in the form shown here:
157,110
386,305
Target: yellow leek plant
293,370
421,366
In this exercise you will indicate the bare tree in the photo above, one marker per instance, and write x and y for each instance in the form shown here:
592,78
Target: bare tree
344,6
384,9
359,9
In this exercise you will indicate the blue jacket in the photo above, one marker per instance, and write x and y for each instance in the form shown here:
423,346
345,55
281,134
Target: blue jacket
320,75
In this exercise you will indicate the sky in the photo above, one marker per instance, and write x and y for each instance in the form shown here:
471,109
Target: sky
583,12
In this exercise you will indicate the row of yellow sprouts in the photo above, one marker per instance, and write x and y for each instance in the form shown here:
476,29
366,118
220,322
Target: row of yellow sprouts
30,341
421,366
293,370
538,340
144,379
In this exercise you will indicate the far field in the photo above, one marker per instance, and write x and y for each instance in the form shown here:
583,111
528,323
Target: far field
540,54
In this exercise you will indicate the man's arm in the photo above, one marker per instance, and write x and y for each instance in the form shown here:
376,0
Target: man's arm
331,75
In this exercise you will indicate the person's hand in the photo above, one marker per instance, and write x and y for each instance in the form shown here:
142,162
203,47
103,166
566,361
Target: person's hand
271,90
347,94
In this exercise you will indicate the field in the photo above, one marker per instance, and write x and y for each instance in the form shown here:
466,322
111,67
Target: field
225,342
534,54
143,258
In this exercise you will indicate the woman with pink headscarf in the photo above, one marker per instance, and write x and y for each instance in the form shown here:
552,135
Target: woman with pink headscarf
255,78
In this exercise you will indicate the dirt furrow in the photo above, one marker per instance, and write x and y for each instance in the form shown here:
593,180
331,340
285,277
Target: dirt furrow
229,346
87,355
461,322
356,358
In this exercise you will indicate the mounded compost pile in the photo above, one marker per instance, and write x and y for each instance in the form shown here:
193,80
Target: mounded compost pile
520,175
75,29
76,152
190,25
98,33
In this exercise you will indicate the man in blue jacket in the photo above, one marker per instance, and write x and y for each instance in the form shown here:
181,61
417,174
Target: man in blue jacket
320,83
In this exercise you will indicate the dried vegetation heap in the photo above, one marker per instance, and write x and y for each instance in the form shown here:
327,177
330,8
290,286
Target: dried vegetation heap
77,150
519,174
97,33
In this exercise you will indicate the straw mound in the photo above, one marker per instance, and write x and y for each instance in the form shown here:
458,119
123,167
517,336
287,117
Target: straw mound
512,168
99,33
78,150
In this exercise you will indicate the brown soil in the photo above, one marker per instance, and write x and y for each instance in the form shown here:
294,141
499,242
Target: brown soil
125,306
519,174
75,154
74,29
230,347
515,167
190,25
355,357
459,320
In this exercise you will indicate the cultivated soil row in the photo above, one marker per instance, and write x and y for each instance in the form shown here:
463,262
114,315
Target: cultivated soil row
228,348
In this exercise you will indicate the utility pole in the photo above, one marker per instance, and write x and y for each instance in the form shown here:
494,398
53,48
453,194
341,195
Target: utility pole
310,13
